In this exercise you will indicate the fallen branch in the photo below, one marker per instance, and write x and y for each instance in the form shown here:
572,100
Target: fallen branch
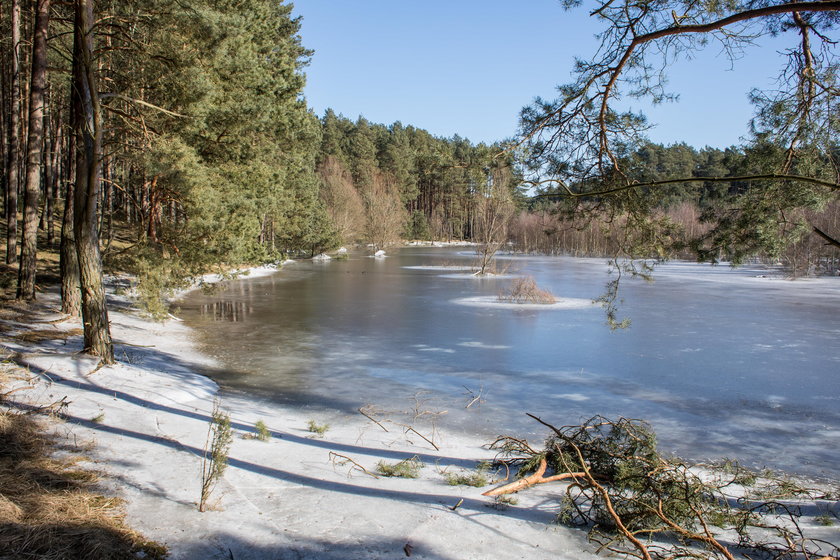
474,397
532,479
339,459
57,407
410,429
4,396
371,418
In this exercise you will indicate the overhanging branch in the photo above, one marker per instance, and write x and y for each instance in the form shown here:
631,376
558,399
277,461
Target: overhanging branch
615,72
830,240
745,178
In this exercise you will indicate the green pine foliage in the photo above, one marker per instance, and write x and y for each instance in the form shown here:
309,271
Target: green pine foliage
215,459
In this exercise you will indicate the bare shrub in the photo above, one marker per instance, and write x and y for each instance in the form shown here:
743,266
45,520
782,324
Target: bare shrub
344,204
525,290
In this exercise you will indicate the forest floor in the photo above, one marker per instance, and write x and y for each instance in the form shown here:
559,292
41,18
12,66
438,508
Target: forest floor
142,426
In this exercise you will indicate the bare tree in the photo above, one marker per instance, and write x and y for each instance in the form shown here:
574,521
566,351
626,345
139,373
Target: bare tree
494,209
385,213
344,205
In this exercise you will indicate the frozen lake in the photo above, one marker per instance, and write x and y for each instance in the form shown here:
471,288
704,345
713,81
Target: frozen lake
723,363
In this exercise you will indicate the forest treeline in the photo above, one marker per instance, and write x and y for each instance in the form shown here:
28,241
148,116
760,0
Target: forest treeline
171,138
700,219
209,153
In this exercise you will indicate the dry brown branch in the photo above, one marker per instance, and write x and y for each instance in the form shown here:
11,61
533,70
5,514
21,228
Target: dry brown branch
53,409
337,459
430,442
473,397
367,415
5,395
530,480
37,336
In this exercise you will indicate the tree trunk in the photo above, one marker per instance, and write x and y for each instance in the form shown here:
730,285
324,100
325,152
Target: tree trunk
48,171
13,179
87,126
71,290
55,174
35,153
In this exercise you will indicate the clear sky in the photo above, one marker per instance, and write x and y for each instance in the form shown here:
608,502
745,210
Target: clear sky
467,67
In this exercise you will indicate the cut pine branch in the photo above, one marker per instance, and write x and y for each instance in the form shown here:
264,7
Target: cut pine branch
532,479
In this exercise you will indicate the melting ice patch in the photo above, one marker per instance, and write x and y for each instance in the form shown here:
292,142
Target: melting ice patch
424,348
577,397
441,267
477,344
492,302
487,276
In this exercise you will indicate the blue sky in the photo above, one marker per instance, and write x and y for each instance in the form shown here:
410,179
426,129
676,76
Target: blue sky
467,67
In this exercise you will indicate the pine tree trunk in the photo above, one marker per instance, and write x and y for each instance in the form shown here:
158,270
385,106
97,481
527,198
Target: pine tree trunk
13,179
53,188
87,126
71,290
47,172
35,153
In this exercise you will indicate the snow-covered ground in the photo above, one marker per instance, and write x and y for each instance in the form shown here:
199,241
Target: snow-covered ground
291,497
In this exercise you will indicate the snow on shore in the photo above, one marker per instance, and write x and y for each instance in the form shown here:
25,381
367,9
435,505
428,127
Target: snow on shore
146,419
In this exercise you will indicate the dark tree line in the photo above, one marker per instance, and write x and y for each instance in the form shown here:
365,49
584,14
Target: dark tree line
170,136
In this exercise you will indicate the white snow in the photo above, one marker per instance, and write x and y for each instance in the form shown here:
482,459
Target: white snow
440,267
492,302
478,344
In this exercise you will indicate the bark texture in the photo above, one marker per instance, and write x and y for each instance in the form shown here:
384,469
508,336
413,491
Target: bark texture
87,127
35,153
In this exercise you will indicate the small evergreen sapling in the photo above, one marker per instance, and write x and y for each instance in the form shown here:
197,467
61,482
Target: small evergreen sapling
263,433
216,448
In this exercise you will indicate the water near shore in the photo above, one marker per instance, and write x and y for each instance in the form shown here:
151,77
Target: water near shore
724,363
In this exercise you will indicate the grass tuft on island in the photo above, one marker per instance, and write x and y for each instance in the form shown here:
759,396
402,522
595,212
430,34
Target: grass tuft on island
525,290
